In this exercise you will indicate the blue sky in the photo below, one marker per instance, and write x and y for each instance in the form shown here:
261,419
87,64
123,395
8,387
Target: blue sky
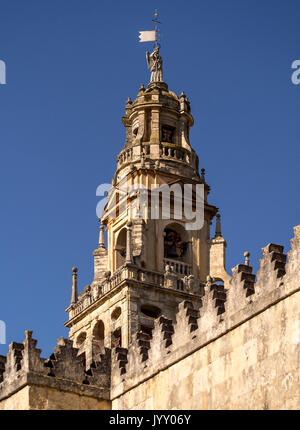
71,66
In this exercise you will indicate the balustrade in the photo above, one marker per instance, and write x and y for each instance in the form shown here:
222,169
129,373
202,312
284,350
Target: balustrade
178,267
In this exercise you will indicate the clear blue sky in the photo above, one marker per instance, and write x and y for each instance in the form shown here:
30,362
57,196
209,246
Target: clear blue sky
71,65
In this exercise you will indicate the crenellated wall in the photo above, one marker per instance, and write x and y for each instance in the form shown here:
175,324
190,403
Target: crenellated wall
237,347
238,350
60,382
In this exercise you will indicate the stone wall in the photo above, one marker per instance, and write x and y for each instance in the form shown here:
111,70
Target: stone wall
254,366
46,398
60,382
238,350
237,347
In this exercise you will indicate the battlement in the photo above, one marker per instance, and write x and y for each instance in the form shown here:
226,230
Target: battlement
222,309
63,371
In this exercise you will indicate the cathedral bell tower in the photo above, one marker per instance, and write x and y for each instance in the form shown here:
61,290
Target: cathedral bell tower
154,259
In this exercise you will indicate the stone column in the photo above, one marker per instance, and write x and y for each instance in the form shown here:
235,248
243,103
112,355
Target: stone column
101,237
74,298
218,226
129,254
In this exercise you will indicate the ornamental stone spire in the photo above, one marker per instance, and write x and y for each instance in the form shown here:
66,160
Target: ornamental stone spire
218,226
74,298
101,237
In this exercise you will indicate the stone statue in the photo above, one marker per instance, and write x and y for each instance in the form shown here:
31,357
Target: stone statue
154,62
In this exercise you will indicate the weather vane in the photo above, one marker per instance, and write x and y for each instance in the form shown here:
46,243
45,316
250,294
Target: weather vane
154,60
155,20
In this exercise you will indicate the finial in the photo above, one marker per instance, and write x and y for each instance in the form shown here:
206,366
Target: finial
247,260
74,297
142,88
218,225
155,20
129,101
28,334
101,236
182,95
203,175
129,255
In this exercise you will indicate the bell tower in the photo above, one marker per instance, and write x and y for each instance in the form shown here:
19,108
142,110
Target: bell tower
156,256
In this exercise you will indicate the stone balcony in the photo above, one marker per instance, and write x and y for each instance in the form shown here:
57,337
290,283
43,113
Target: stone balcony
177,276
166,152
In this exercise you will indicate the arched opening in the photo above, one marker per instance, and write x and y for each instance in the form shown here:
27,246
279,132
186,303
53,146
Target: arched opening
80,339
98,335
120,248
150,311
98,331
175,241
80,344
177,254
116,313
167,134
148,314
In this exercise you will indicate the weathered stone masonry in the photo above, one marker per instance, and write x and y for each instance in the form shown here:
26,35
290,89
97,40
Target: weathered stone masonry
234,351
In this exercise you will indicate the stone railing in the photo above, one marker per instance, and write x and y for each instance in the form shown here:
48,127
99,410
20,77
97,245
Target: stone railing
125,156
178,154
167,152
178,270
178,267
93,292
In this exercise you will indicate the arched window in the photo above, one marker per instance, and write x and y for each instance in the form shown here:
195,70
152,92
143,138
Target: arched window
98,334
167,134
150,311
175,242
148,314
116,313
120,248
80,344
81,339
